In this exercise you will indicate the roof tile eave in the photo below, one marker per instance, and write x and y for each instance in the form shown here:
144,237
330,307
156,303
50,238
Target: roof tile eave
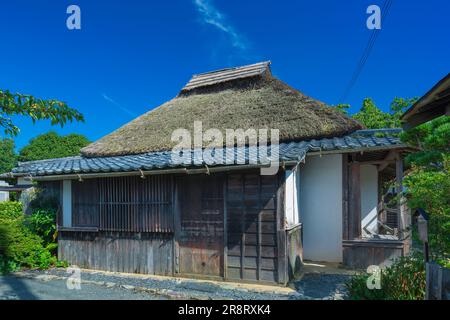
290,150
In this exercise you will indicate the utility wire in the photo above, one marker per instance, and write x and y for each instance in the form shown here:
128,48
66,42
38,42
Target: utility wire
366,52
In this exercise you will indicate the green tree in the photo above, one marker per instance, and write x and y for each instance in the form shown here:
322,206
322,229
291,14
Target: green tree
8,156
428,181
372,117
13,104
343,108
52,145
398,108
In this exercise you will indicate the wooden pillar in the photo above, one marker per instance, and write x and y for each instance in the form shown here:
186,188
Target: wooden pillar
177,224
404,217
225,227
345,189
281,232
355,201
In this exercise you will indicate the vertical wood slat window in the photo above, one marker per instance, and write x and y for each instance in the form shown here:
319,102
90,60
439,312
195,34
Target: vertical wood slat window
128,204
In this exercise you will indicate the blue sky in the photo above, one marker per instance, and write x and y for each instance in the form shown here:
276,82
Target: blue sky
131,56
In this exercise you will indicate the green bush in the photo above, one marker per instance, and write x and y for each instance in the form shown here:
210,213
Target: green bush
10,210
403,280
42,223
26,242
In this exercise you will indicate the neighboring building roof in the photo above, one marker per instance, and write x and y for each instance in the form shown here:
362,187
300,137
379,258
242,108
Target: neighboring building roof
293,151
238,98
433,104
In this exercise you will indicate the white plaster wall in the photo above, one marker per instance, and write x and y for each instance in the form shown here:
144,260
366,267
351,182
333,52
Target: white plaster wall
321,207
67,203
369,199
4,195
291,197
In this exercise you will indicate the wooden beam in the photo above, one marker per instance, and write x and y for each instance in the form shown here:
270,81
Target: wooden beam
377,162
345,186
177,224
404,217
281,232
390,157
355,201
225,227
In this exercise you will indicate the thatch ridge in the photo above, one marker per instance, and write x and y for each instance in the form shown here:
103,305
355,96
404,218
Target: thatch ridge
257,102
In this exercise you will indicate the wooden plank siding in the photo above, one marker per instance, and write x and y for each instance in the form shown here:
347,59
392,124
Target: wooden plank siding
360,253
143,253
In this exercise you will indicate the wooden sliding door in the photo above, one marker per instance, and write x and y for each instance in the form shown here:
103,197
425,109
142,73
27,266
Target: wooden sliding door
252,227
201,225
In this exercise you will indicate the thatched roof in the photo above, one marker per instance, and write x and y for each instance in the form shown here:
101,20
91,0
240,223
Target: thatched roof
245,97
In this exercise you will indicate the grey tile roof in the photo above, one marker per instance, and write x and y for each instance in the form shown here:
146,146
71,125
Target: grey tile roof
224,75
289,151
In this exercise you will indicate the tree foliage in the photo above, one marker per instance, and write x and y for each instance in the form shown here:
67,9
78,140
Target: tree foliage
12,104
428,181
52,145
8,157
373,117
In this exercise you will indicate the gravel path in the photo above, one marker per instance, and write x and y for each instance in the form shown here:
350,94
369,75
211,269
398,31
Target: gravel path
51,284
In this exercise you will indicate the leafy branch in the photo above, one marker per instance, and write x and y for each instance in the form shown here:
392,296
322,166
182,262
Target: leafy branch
12,104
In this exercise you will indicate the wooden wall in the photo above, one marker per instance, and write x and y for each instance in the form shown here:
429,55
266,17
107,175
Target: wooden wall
118,251
360,254
230,226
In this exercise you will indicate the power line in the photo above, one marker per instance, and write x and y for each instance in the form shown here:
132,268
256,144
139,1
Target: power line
366,52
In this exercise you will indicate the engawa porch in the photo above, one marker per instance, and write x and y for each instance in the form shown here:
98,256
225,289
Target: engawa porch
383,232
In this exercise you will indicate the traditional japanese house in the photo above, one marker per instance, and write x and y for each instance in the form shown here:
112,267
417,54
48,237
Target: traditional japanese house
126,206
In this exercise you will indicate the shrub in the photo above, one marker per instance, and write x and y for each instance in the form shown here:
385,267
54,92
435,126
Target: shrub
403,280
19,247
42,223
10,210
26,241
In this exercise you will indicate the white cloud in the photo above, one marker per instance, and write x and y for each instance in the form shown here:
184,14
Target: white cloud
212,16
118,105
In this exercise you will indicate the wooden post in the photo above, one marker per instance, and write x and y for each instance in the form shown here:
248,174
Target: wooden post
403,219
355,201
281,233
225,227
345,220
177,225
